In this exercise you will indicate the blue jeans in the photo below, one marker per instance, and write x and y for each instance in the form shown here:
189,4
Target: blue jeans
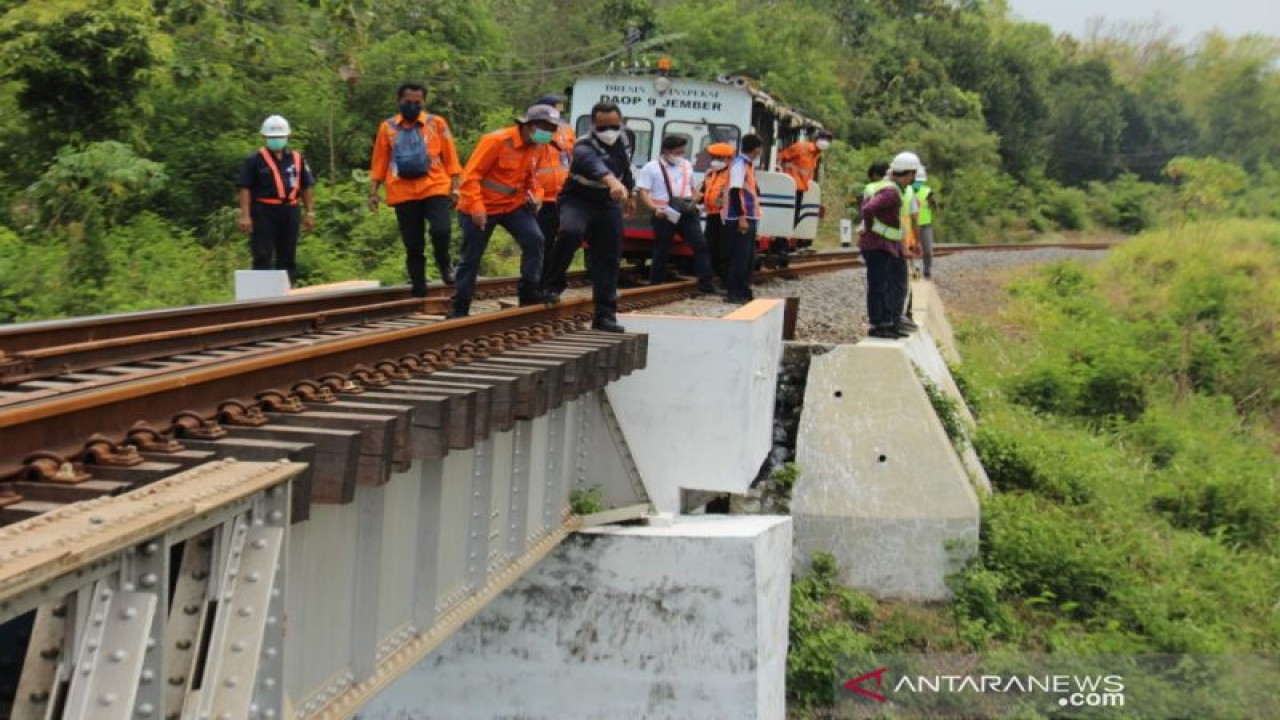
523,226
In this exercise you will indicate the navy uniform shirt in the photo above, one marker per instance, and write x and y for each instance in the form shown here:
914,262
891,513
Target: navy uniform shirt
256,176
593,160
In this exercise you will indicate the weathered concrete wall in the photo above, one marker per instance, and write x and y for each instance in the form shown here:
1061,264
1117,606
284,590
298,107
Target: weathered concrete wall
880,486
700,416
684,621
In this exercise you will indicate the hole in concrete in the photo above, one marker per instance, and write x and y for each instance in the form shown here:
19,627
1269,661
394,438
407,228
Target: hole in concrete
839,393
884,458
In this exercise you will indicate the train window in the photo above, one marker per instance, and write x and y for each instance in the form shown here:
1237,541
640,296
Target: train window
700,136
640,130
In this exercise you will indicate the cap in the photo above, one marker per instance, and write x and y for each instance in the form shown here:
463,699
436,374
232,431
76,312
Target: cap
540,113
721,149
552,100
275,126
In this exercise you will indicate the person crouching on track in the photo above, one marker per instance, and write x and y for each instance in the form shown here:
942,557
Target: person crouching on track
886,221
742,214
592,207
665,186
271,183
500,188
713,193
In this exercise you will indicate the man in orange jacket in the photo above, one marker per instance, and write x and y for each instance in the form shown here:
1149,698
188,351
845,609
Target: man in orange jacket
800,161
414,155
500,188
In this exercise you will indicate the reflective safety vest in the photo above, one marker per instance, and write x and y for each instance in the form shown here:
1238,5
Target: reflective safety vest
750,193
926,211
282,197
714,186
872,188
888,232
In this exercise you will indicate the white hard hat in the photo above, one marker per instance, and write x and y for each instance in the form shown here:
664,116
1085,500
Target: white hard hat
275,126
922,175
905,162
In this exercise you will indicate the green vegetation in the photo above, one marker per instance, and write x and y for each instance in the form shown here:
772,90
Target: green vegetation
124,122
587,502
1128,417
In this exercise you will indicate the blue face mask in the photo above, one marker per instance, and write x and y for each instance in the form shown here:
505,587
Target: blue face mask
541,137
276,144
917,184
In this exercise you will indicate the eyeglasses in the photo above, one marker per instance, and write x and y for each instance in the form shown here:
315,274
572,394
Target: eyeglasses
605,128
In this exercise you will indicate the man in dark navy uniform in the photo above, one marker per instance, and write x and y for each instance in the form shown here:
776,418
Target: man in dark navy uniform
591,208
273,181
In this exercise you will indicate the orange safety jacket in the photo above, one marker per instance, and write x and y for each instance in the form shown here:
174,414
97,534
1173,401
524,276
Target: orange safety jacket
714,189
440,149
501,175
553,167
800,161
282,198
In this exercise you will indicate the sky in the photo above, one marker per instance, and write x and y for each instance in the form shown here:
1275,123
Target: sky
1190,17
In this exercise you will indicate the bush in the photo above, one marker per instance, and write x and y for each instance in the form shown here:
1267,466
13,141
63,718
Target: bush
1017,461
1067,208
824,632
979,607
1125,204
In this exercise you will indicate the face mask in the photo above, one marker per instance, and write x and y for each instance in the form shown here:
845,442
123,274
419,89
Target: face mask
608,137
823,144
540,136
410,111
672,159
717,164
277,144
916,185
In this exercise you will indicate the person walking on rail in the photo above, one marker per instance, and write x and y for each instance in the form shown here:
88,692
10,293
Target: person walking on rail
800,160
272,182
665,186
553,172
714,192
926,199
742,213
886,220
592,205
500,188
415,157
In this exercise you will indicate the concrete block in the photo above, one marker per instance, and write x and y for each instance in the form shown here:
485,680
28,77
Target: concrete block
880,485
257,284
930,314
925,354
683,621
700,416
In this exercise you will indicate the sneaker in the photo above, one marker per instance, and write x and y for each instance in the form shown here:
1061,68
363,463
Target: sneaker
908,323
552,298
607,325
887,333
455,313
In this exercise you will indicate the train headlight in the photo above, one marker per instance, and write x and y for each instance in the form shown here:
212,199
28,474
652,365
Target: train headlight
662,84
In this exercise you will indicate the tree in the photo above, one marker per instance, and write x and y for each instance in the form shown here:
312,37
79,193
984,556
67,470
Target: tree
1086,125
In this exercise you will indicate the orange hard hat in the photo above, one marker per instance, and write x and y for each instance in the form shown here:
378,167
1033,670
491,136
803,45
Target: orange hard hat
721,150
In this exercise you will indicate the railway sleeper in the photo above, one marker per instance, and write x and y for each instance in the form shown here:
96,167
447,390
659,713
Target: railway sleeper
467,404
252,450
375,438
333,481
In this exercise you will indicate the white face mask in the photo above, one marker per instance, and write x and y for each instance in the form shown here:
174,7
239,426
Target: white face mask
717,164
823,144
608,137
672,159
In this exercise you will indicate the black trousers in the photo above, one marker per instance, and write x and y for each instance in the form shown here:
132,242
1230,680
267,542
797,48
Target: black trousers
900,286
742,252
274,240
882,312
549,223
600,224
690,229
413,217
717,246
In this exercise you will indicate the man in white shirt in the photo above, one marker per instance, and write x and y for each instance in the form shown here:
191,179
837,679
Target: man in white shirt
665,187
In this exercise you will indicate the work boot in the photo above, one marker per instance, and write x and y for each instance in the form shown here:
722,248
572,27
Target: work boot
527,299
607,325
908,323
446,272
552,298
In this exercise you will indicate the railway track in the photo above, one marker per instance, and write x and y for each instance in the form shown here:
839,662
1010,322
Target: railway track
98,406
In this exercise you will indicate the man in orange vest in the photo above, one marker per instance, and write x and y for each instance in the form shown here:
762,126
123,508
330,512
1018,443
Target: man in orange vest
800,161
715,185
414,156
553,171
272,181
500,188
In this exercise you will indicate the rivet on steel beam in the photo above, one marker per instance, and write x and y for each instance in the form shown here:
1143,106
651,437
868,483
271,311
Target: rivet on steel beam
146,710
108,699
244,611
117,656
237,646
149,580
147,676
128,613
